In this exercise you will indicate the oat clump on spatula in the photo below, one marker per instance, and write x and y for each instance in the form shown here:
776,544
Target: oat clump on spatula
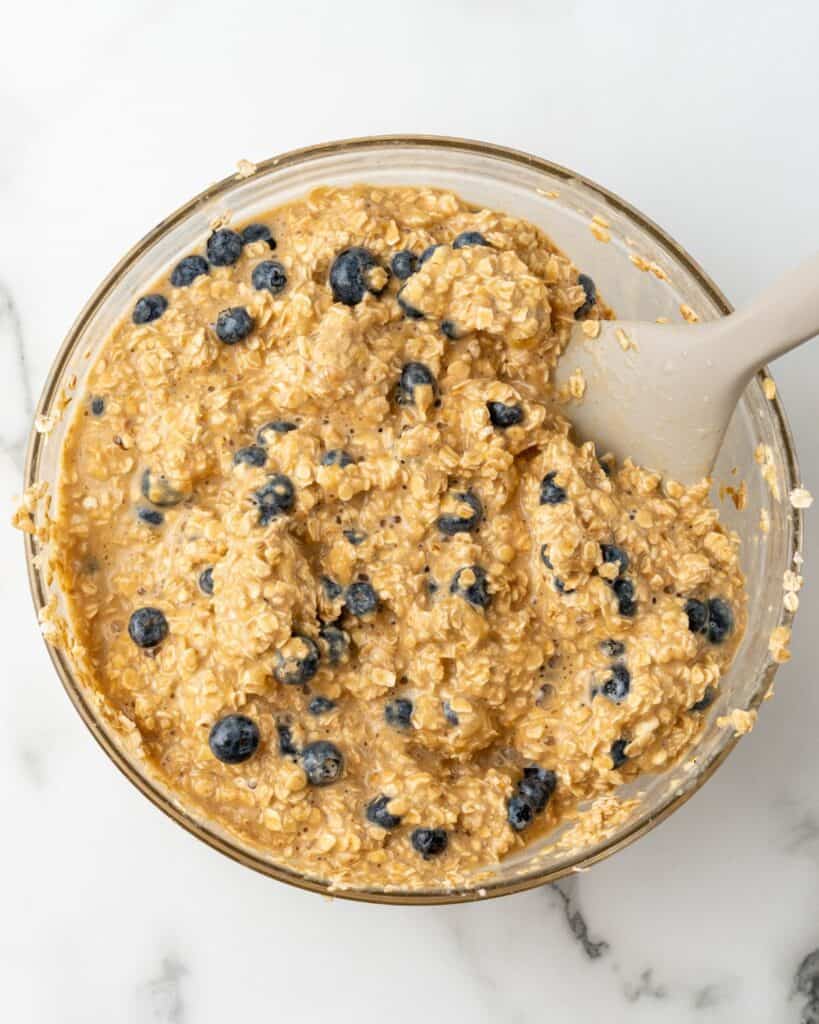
335,560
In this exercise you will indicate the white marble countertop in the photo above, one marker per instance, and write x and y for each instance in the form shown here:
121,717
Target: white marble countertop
704,116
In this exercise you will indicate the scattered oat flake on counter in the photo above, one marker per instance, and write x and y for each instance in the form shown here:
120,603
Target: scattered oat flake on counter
801,497
778,644
740,721
244,169
769,387
688,314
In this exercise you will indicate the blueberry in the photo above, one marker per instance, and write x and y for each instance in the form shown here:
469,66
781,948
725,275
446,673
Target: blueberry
618,753
323,763
299,663
624,591
360,599
157,489
550,492
590,289
469,238
429,842
187,270
519,812
544,556
425,255
697,612
350,275
398,713
258,233
409,311
234,325
224,247
206,581
403,264
561,587
331,589
267,433
537,786
269,276
470,584
150,516
618,684
354,536
706,700
320,705
147,627
234,739
450,330
276,497
611,553
613,648
287,748
449,525
252,455
336,642
414,375
450,715
97,405
377,813
503,416
337,457
720,620
604,462
149,308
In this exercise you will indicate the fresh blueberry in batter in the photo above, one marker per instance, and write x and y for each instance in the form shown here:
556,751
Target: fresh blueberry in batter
503,416
398,713
323,763
617,686
269,431
618,753
331,589
187,270
258,233
234,739
156,488
624,591
275,498
408,310
611,553
720,620
697,612
350,275
147,627
150,516
224,247
252,455
354,536
519,812
149,308
297,669
537,786
429,842
336,641
425,255
269,276
320,705
613,648
449,525
450,715
234,325
403,264
449,329
337,457
470,584
287,748
550,492
360,599
377,813
706,700
414,375
97,405
469,238
590,289
206,581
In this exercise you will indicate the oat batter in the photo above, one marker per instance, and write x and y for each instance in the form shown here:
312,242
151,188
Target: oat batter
330,547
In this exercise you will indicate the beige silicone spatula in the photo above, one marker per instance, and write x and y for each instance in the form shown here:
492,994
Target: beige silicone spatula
663,394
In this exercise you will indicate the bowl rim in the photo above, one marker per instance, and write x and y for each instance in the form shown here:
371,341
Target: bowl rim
143,783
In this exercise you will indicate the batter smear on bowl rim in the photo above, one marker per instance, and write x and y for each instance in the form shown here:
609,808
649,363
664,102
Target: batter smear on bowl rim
335,562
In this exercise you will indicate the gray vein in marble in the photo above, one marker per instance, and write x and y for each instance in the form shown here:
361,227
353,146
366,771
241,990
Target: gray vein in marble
803,833
18,401
567,891
472,958
806,983
645,986
714,994
162,996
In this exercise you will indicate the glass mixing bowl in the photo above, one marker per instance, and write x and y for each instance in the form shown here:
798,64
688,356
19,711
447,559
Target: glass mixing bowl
563,204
